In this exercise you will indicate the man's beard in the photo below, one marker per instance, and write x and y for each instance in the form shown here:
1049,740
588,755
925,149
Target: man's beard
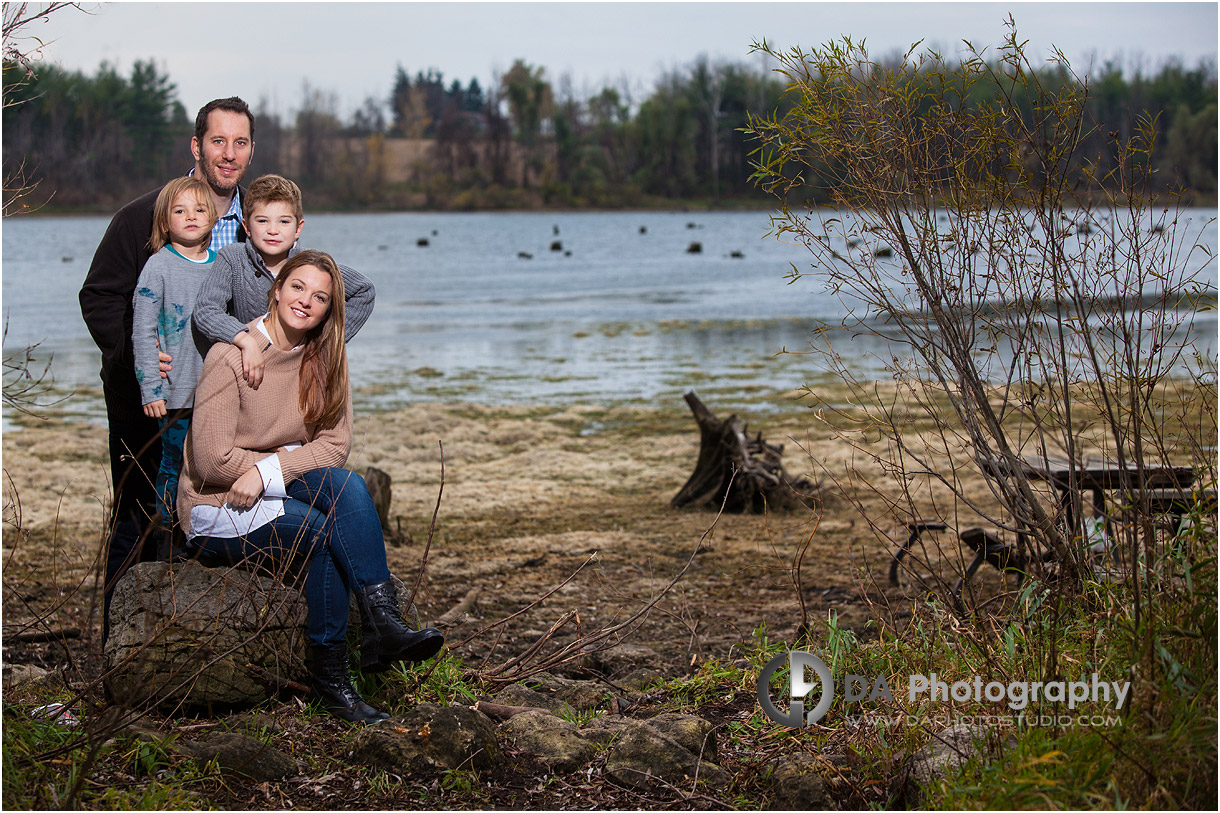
219,184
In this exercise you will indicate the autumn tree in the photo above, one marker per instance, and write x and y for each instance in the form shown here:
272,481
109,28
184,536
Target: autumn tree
317,127
1033,304
530,105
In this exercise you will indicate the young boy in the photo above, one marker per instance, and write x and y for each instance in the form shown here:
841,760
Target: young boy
236,290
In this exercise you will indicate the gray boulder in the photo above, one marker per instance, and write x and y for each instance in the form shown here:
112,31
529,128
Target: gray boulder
797,783
429,738
186,634
515,694
642,755
27,675
949,751
553,741
693,733
583,695
243,755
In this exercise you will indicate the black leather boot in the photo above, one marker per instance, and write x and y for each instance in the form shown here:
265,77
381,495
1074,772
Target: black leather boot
332,683
386,637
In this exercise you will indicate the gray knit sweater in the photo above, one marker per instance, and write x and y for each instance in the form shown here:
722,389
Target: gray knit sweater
236,290
161,313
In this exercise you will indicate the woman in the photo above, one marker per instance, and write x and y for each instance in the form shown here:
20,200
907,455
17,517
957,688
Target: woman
262,483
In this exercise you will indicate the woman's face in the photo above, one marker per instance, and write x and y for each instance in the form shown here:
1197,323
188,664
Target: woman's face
304,300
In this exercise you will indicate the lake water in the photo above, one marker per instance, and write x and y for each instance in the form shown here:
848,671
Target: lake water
622,313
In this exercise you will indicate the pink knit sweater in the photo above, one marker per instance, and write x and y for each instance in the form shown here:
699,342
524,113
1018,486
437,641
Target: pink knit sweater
234,427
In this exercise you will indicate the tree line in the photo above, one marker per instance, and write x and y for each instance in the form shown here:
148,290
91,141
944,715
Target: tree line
91,142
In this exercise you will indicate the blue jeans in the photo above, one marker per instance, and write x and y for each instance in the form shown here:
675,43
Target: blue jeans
173,435
330,523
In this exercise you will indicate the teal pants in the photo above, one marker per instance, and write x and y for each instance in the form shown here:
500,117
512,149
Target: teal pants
173,436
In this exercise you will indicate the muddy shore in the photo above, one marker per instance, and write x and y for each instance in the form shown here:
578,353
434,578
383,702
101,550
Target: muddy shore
530,494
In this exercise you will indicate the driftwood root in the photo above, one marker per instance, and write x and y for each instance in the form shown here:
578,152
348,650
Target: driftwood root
741,473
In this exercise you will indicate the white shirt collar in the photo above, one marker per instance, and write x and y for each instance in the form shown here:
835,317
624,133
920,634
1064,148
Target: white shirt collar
262,327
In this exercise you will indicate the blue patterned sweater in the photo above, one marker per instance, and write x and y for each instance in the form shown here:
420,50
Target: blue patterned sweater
164,298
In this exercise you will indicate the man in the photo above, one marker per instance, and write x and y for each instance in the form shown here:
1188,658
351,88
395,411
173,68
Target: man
222,146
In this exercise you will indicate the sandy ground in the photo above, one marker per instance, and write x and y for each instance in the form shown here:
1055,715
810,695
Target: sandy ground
529,495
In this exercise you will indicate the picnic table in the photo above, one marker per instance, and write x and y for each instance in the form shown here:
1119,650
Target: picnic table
1168,490
1167,487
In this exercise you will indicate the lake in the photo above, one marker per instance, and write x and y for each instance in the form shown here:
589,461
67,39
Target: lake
486,311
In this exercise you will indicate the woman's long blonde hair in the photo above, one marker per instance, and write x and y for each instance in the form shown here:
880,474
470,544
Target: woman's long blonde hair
323,382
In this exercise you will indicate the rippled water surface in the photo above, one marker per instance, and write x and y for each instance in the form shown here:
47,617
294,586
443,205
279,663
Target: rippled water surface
498,308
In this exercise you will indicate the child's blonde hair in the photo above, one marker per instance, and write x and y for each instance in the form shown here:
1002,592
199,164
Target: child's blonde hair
165,201
273,189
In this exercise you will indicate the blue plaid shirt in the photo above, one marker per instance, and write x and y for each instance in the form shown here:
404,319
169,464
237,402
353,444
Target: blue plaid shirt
224,233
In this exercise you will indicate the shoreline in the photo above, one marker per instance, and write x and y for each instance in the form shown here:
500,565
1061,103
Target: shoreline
1201,201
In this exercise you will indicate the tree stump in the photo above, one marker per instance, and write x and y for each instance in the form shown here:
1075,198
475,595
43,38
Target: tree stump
740,473
380,490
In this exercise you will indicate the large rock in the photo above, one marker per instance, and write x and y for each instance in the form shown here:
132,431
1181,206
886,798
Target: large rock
516,694
582,695
191,635
797,783
243,755
944,756
429,738
20,675
553,741
693,733
949,751
186,634
641,755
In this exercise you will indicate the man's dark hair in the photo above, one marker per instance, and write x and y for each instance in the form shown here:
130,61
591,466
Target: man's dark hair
230,105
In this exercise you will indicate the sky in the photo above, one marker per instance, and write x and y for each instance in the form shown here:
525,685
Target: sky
265,52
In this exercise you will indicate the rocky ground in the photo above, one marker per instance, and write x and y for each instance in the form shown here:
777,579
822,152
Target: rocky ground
560,512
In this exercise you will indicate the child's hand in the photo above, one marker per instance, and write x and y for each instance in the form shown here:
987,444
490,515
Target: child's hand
251,359
155,409
252,365
246,490
164,360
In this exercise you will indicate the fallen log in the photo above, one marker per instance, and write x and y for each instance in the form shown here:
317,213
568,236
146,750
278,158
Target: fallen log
43,636
457,612
740,473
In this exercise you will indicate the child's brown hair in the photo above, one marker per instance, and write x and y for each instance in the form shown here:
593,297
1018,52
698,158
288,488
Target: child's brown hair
272,189
166,200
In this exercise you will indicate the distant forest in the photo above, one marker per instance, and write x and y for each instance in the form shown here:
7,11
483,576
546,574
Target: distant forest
93,142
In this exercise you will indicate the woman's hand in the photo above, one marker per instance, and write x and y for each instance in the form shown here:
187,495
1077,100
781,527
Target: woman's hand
155,409
246,491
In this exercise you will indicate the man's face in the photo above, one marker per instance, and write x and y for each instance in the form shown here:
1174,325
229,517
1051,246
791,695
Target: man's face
224,155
